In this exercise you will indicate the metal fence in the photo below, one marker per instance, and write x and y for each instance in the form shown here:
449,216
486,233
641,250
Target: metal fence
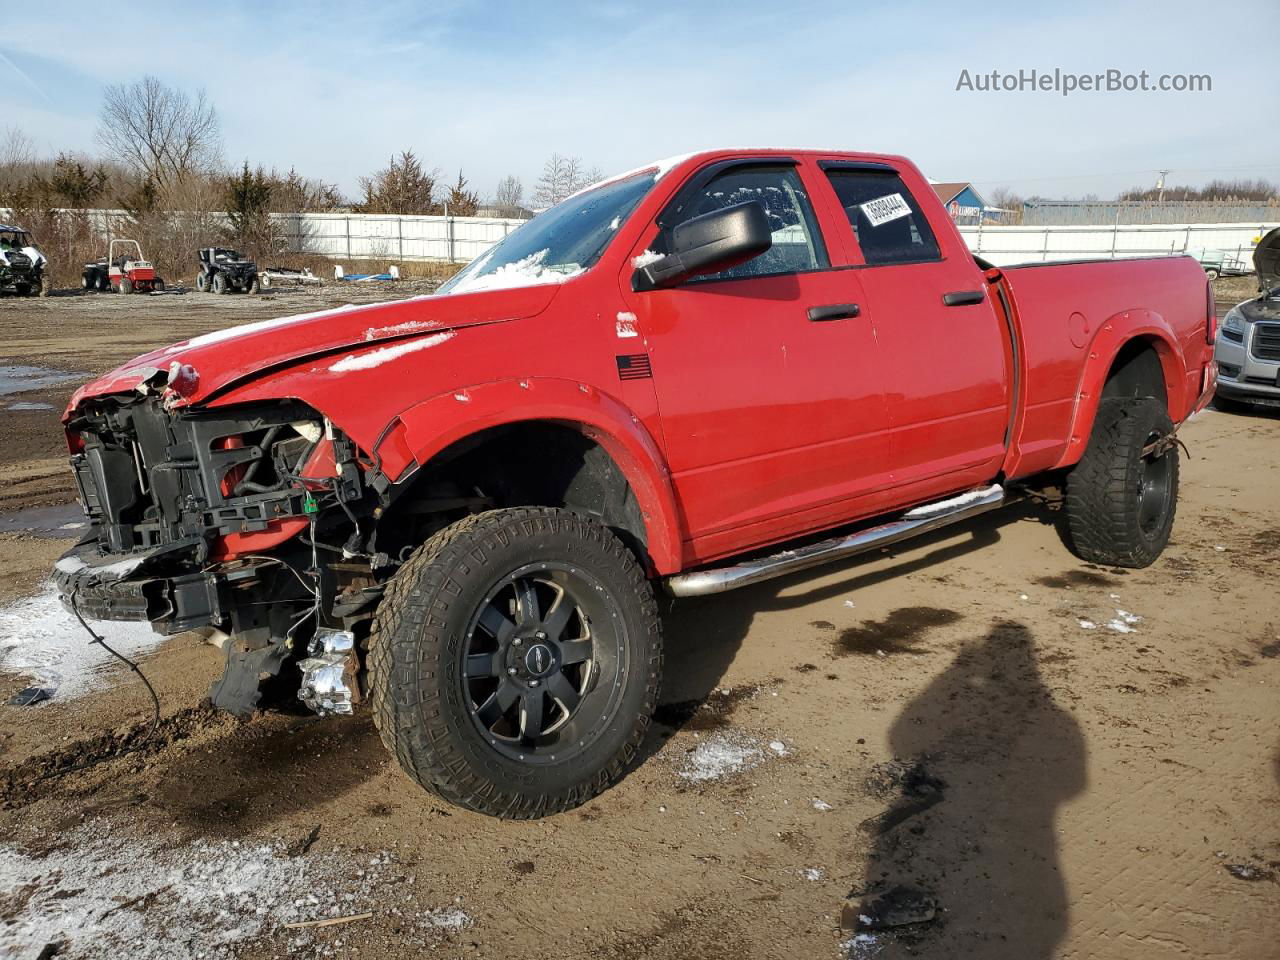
363,236
1229,243
1105,213
385,238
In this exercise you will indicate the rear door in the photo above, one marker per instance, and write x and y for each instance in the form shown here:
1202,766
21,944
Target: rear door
943,347
767,380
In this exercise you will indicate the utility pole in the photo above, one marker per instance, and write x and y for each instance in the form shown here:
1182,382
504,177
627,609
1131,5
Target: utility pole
1160,184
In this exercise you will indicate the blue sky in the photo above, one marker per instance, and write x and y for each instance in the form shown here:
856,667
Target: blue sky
494,88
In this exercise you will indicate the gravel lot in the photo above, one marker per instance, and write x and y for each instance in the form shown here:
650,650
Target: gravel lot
1069,761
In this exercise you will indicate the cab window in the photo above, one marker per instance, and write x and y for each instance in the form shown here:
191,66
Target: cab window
797,244
886,219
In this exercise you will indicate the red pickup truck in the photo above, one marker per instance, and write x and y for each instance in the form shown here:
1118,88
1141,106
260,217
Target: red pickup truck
459,506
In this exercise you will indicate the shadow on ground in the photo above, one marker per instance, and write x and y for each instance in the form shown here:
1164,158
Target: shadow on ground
985,759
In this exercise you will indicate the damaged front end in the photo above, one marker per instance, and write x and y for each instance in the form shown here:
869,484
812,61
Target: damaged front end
215,519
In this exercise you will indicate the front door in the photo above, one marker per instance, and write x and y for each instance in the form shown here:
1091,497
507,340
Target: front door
767,377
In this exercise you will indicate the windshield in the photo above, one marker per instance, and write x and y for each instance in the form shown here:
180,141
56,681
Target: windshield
15,238
557,244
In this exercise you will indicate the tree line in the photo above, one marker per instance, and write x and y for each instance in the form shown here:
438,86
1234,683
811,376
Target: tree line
161,160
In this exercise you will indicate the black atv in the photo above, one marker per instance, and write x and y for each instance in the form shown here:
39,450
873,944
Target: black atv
21,263
223,270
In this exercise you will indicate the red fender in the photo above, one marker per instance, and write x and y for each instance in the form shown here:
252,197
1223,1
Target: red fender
422,431
1111,337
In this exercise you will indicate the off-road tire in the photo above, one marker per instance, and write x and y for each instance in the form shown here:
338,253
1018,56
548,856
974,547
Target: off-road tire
1106,516
418,644
220,285
46,287
22,289
87,282
255,286
202,282
126,285
157,285
104,283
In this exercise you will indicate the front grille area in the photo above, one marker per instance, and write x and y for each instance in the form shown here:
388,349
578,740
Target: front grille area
148,477
1266,341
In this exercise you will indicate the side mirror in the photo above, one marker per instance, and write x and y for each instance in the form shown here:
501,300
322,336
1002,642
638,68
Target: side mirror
708,244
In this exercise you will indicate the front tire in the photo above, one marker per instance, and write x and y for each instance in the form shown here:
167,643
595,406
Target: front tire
220,284
1120,503
126,285
515,662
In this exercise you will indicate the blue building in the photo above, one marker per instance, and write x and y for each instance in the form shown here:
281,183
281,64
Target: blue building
964,203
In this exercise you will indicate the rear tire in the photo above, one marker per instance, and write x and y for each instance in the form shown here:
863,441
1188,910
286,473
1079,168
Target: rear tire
202,282
126,285
488,692
157,284
1120,505
104,283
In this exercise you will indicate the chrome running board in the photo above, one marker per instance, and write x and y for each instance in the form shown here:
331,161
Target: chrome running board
913,523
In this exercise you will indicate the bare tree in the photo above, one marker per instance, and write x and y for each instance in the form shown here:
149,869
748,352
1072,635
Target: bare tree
17,157
509,196
1008,204
561,177
402,187
159,132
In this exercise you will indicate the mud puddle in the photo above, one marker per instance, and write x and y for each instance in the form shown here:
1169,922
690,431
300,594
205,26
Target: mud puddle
64,521
21,378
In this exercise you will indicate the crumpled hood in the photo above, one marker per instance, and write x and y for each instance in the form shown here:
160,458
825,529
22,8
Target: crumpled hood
1266,259
228,356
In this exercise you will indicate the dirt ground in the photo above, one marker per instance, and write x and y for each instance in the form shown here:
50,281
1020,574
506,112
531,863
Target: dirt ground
1068,761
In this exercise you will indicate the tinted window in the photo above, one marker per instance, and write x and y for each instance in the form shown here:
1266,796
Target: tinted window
885,217
797,244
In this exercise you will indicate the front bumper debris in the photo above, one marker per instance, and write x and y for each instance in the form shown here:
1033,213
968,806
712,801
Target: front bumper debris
131,586
329,674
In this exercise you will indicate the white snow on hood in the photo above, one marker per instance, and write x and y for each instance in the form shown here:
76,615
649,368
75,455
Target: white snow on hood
376,358
41,639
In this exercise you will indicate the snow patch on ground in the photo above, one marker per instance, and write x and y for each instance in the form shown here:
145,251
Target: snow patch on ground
719,756
821,805
1087,625
812,874
376,358
105,895
860,946
41,639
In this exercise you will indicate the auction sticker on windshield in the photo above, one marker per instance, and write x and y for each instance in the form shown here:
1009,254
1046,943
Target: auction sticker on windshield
883,209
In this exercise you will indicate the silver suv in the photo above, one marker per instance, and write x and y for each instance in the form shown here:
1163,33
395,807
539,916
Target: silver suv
1248,346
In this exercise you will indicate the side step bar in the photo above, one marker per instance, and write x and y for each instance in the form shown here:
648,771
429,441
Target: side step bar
913,523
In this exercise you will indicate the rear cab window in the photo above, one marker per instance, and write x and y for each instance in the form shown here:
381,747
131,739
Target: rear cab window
887,222
797,242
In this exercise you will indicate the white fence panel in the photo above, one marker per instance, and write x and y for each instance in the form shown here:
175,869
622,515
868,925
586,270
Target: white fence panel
377,237
1005,246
